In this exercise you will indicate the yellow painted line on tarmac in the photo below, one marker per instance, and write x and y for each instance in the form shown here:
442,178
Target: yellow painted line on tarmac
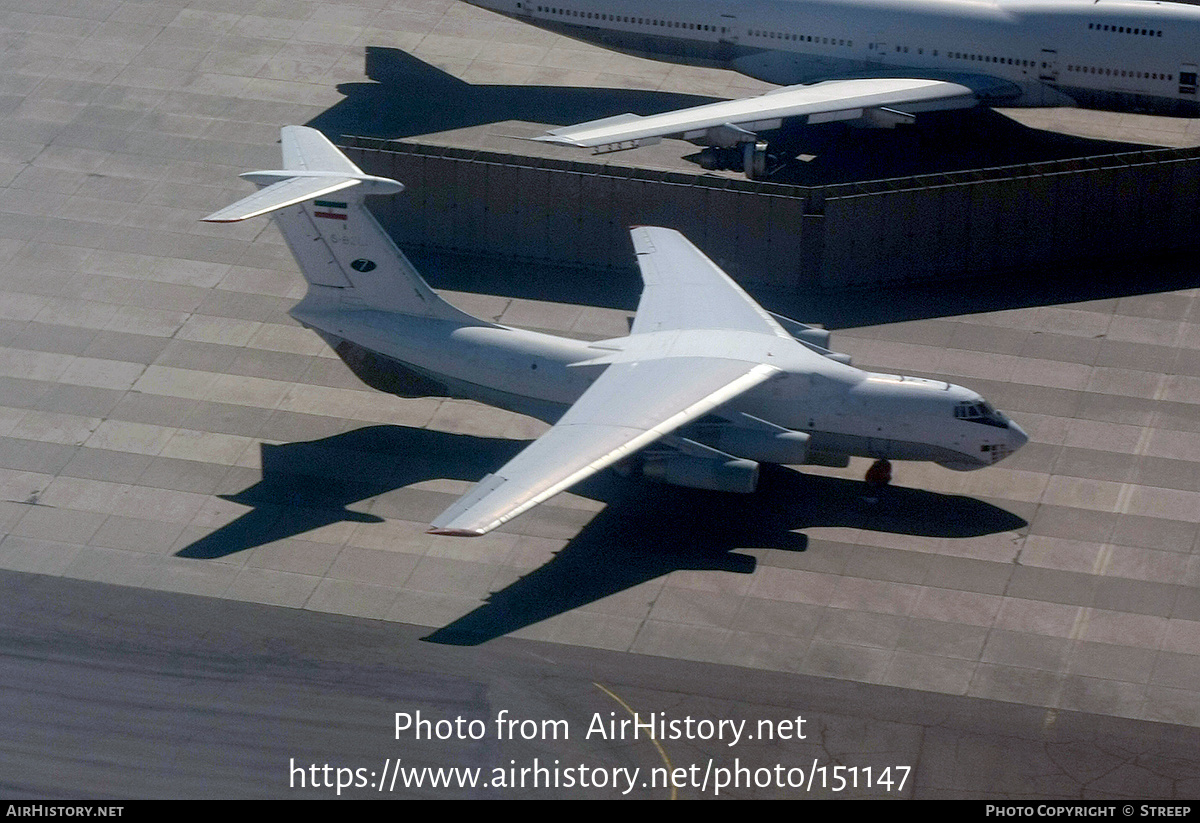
661,751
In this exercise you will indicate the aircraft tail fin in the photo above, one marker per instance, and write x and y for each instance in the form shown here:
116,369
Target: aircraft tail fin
345,255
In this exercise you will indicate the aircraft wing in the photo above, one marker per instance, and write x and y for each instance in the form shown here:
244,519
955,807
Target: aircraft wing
683,289
818,102
646,392
628,407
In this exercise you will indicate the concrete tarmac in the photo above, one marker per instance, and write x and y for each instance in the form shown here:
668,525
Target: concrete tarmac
167,431
123,692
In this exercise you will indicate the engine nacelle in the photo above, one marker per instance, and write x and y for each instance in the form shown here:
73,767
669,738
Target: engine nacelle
714,474
812,336
750,158
816,339
726,136
754,159
715,158
784,447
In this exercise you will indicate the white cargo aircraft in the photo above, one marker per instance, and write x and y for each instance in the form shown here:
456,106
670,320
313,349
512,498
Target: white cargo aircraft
878,63
706,385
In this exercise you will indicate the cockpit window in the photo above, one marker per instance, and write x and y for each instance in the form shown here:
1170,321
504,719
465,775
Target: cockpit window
980,412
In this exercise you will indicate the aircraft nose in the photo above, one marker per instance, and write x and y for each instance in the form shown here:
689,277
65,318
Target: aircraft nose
1016,436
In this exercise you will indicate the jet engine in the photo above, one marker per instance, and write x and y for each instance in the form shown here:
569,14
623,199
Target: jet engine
754,159
784,447
812,337
715,158
712,473
750,158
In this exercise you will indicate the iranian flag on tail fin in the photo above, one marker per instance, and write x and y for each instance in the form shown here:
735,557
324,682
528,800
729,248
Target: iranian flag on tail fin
330,209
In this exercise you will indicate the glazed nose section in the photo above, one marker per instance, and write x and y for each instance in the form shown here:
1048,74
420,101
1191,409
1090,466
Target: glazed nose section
1016,437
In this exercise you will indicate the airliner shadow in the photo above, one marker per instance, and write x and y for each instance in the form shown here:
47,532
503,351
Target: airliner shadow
645,530
311,484
835,309
1154,273
938,142
409,98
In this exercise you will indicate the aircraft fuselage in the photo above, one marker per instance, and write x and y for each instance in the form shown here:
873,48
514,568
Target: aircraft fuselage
1118,55
843,410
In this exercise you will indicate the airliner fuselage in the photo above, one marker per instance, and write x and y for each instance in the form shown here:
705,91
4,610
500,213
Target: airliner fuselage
1119,55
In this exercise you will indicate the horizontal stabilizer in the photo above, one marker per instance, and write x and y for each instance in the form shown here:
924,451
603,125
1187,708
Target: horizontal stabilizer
287,192
319,204
312,167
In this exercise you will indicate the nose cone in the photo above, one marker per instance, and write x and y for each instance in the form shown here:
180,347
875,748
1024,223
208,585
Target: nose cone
1016,436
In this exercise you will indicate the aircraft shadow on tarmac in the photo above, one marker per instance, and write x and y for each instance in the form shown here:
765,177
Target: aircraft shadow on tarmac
1154,273
834,309
410,98
645,531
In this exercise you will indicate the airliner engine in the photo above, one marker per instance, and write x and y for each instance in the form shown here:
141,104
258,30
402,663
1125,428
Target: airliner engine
712,473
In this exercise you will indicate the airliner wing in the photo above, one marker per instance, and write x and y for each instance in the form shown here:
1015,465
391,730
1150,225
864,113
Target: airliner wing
818,103
683,289
631,405
646,392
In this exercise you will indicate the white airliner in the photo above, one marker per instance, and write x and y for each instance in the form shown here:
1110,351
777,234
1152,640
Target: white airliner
878,63
707,384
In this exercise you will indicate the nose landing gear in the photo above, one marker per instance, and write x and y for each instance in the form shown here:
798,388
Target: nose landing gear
878,477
